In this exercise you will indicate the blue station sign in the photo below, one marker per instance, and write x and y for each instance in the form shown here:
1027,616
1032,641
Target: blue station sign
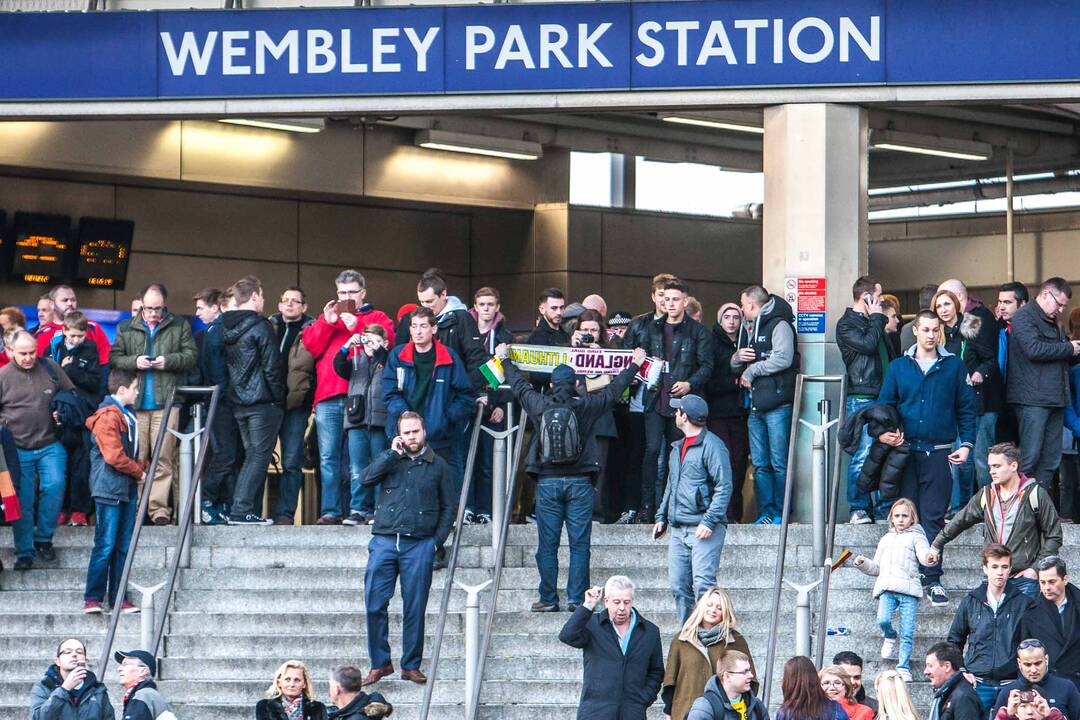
532,47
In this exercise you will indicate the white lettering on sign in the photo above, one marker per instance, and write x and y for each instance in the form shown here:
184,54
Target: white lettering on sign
515,49
323,51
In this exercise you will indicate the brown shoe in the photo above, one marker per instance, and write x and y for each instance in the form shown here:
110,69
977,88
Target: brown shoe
378,674
414,675
161,520
328,520
283,521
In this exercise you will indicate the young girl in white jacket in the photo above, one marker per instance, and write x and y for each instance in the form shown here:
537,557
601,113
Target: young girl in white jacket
896,565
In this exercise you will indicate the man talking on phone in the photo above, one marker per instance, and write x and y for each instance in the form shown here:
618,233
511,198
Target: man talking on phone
69,689
414,510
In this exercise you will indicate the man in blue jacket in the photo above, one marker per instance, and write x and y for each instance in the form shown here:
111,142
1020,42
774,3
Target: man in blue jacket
694,505
928,387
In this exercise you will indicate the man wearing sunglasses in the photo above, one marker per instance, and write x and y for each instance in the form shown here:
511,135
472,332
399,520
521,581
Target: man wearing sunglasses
1035,676
1038,378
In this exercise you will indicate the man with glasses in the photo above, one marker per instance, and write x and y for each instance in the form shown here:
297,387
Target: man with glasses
1037,378
69,689
160,348
1056,622
728,694
1035,677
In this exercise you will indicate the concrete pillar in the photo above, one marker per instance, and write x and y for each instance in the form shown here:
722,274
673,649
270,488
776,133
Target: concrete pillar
815,225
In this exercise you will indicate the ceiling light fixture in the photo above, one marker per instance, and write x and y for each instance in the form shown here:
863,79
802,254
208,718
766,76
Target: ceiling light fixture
300,125
479,145
930,145
714,123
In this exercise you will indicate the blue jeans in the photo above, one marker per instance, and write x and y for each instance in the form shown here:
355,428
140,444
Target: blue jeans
1028,586
985,435
112,534
293,427
329,425
963,481
37,524
479,500
858,500
769,435
987,693
562,500
692,565
364,445
908,605
390,557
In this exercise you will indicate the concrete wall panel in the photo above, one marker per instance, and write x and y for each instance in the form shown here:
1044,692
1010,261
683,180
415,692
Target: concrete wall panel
147,149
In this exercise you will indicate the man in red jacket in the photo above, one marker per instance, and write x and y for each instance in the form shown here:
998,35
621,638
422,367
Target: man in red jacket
64,302
323,339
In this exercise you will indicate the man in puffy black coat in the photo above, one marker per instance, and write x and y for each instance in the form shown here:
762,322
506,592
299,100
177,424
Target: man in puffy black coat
883,468
256,392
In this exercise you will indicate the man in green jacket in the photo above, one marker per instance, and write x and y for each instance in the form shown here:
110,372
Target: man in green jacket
1016,511
159,346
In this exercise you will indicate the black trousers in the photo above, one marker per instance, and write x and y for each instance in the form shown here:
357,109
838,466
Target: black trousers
928,483
736,438
660,431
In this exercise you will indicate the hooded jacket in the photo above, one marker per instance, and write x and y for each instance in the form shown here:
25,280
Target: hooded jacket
935,408
1036,532
256,373
883,468
698,487
50,701
449,400
172,341
859,338
714,704
1058,631
299,363
723,392
615,686
364,374
1039,358
113,467
691,355
896,562
496,335
989,639
356,710
51,333
415,497
456,329
588,409
84,370
772,376
323,341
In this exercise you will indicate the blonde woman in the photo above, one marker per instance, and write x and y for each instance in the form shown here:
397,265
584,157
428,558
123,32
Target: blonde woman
291,696
708,633
894,700
837,686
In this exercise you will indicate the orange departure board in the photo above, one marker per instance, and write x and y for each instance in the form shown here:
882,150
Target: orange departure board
104,251
41,249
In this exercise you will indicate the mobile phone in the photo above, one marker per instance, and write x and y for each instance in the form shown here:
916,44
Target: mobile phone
868,299
1027,696
345,306
656,533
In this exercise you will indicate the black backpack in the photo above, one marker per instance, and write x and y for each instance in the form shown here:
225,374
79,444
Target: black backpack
560,436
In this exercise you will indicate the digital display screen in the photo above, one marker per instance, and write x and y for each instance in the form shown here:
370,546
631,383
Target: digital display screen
42,249
104,251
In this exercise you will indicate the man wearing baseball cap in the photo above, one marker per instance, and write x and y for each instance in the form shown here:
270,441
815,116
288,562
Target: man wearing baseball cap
142,701
695,504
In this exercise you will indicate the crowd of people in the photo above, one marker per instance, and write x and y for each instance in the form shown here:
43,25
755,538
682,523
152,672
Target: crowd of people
963,415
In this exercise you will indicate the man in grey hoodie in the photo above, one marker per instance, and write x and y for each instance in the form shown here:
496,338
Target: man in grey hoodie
727,694
768,360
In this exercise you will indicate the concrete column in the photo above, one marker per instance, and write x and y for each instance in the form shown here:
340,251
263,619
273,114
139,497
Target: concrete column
815,225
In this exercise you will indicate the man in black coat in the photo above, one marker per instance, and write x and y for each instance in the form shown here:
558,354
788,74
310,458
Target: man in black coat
622,657
1056,620
727,406
954,698
256,391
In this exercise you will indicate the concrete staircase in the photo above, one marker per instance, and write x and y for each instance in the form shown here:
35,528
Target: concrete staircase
256,596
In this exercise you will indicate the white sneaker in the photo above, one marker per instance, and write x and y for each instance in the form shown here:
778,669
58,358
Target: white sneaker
904,674
888,649
860,517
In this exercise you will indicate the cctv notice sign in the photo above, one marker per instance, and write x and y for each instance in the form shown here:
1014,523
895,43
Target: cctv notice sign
532,47
806,296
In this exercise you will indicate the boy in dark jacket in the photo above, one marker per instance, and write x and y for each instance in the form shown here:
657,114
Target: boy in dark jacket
987,625
115,476
727,409
78,356
564,491
728,694
361,362
256,392
413,515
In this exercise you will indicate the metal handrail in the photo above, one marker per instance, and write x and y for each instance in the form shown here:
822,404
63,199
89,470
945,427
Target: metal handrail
444,606
500,553
185,522
133,544
830,530
781,552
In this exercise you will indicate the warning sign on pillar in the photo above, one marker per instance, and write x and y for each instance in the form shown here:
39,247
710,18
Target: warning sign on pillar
807,298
